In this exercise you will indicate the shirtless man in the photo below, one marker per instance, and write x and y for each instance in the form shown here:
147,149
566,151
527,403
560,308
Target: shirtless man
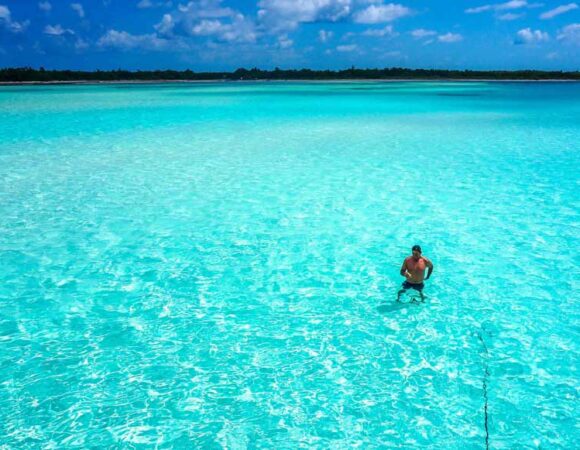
413,269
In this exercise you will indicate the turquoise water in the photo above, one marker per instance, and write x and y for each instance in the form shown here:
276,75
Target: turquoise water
215,265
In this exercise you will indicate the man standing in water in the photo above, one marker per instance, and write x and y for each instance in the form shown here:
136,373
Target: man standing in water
413,269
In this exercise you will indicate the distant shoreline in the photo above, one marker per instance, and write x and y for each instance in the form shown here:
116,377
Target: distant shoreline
314,81
41,76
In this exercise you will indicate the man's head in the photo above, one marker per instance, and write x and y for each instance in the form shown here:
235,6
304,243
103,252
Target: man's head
416,251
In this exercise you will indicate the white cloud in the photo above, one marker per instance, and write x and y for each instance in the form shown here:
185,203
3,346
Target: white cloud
165,27
81,45
510,16
239,31
513,4
145,4
44,6
559,10
208,27
285,15
381,13
213,20
285,42
420,33
79,9
529,36
228,32
381,32
208,18
570,34
57,30
125,41
4,13
11,25
18,27
205,9
346,48
449,38
279,15
325,36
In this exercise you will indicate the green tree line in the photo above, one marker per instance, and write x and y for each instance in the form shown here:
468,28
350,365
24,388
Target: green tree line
28,74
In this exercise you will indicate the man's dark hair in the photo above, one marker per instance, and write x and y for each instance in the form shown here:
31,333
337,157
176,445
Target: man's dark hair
417,248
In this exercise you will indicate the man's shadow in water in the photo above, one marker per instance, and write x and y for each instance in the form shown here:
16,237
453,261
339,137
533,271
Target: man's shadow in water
394,306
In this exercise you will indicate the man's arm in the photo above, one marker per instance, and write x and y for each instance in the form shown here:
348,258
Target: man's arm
429,265
404,270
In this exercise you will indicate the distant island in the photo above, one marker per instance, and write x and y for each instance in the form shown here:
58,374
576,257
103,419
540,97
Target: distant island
41,75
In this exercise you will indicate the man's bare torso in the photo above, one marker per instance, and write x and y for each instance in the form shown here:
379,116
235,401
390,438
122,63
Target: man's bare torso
416,269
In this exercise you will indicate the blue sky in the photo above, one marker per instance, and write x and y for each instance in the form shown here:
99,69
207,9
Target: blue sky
320,34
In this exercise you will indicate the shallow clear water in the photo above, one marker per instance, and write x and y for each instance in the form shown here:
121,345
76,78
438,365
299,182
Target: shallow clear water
215,265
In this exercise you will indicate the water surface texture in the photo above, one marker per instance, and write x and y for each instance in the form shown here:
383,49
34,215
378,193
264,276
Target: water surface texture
215,265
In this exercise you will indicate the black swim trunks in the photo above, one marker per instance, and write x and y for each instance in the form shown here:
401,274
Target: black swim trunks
416,286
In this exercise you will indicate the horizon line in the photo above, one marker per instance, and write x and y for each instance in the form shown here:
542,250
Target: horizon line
278,69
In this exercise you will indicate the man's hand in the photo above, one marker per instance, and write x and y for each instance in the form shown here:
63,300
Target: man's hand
408,276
